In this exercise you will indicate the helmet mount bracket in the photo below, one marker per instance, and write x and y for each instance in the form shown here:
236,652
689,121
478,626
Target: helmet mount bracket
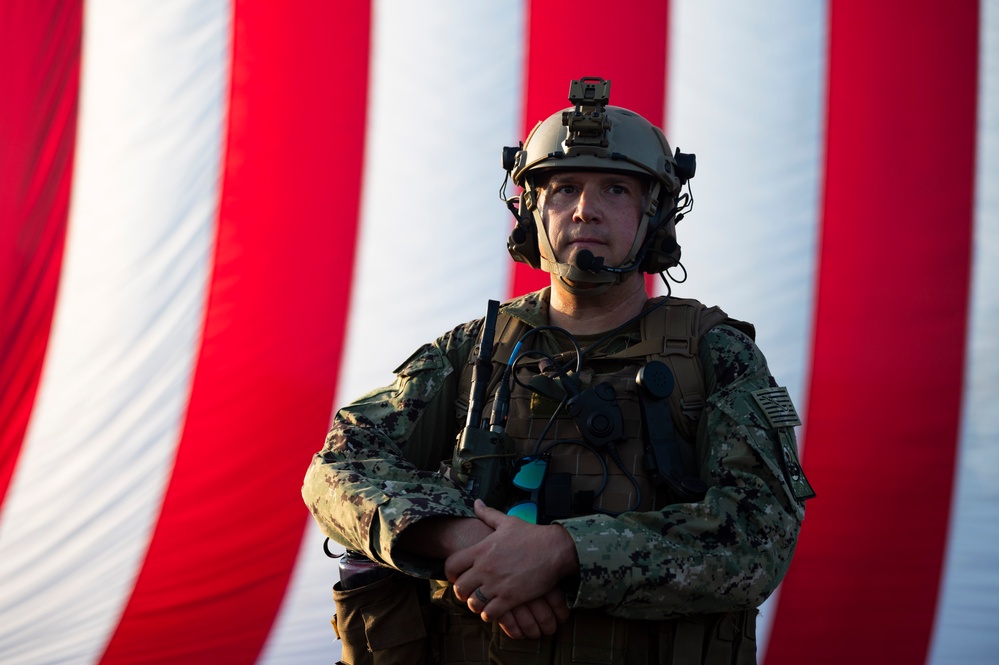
587,123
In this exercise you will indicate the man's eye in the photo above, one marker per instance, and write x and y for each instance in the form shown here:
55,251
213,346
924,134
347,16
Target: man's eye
618,189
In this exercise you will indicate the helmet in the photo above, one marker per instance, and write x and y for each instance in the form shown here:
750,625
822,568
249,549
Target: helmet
594,136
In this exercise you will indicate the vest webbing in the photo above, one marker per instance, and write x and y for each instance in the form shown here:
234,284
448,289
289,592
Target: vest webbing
670,333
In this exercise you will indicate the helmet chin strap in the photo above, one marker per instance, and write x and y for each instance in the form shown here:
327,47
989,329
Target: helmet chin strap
602,280
571,276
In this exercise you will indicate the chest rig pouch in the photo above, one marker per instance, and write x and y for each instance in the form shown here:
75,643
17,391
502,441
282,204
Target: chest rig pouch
662,448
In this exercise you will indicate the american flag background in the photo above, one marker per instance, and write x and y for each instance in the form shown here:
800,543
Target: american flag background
221,219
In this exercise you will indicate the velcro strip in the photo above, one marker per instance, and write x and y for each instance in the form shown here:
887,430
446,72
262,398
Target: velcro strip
777,407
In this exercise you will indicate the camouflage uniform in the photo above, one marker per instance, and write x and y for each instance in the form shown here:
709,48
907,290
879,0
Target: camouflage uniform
378,475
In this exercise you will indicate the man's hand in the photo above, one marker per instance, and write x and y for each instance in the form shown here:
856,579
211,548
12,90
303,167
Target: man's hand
537,617
516,564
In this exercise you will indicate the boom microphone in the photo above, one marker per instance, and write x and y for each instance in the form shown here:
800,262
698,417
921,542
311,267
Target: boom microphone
586,261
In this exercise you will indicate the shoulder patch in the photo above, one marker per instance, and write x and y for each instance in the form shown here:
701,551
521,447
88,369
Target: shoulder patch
777,407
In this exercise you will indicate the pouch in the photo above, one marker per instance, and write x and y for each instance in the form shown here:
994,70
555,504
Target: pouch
383,622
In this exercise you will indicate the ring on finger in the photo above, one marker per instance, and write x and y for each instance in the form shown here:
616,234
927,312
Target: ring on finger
481,597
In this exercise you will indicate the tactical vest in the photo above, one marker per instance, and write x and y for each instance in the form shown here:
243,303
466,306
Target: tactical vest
619,481
670,334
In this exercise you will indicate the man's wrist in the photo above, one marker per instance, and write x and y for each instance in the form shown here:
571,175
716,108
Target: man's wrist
566,561
440,537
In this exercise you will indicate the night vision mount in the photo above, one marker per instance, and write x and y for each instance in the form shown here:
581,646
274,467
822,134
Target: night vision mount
588,123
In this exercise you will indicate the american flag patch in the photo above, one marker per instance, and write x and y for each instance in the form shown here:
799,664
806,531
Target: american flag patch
777,407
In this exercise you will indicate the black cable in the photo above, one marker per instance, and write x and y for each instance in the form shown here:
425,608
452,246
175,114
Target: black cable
612,449
578,442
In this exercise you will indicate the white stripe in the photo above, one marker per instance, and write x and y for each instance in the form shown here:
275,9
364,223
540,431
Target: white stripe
965,630
444,100
746,95
111,402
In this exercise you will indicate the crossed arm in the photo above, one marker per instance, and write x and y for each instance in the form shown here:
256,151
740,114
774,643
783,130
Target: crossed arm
375,486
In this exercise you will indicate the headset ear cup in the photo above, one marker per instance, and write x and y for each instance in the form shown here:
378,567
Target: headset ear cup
523,242
662,252
661,249
670,251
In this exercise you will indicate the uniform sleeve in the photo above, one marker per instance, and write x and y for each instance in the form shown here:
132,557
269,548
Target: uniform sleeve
377,473
726,552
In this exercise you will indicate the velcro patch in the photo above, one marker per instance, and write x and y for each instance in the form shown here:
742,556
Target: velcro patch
793,473
777,407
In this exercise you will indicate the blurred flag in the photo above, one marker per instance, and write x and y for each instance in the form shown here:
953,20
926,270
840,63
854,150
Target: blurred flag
220,219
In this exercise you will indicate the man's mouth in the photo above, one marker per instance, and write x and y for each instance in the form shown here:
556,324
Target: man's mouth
586,241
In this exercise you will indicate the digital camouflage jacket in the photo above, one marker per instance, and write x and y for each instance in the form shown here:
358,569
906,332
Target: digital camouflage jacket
378,474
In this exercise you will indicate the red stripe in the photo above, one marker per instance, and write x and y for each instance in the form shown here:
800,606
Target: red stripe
232,519
565,42
892,298
40,78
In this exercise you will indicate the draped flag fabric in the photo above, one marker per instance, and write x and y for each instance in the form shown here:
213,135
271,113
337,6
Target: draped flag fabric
221,219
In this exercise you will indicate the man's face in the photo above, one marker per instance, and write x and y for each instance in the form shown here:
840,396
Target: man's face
598,211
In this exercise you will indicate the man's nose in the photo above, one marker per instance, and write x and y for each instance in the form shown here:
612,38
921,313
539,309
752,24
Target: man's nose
587,206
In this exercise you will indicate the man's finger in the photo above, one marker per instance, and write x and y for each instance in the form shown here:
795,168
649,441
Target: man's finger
557,602
456,564
508,624
464,587
544,616
490,516
526,622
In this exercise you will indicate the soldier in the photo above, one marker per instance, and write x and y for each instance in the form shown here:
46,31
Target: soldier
586,474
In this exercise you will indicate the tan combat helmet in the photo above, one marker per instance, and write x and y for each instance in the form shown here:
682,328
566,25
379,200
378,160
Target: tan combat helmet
595,136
